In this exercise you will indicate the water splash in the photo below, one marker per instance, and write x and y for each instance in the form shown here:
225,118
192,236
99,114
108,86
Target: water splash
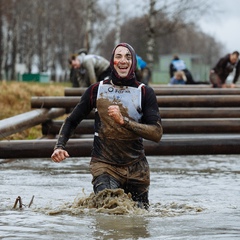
115,201
109,201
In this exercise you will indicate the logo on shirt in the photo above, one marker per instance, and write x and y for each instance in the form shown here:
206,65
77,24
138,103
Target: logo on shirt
111,89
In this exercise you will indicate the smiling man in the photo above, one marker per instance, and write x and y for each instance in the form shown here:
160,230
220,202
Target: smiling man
126,111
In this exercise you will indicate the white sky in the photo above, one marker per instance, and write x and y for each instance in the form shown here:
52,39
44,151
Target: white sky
223,23
225,27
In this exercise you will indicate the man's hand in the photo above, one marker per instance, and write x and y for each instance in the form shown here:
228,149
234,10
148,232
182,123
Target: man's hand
59,155
115,113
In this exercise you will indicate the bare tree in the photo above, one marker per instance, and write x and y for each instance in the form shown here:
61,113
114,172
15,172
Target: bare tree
1,39
178,13
44,33
117,23
151,31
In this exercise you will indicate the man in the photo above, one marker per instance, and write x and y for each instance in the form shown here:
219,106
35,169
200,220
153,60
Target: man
125,112
79,76
178,64
97,67
223,68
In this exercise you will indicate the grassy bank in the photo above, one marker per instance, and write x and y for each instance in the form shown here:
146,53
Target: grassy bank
15,98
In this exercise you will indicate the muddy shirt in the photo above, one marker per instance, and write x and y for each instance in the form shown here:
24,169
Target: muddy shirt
113,143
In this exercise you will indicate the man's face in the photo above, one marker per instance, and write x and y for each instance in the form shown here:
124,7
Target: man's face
75,63
233,58
122,61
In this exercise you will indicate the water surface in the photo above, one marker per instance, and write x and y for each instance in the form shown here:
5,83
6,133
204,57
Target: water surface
191,197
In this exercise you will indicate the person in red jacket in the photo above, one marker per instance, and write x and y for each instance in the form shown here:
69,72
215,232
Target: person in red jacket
126,111
223,68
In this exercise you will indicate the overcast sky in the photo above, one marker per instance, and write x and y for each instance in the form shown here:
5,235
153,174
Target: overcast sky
225,27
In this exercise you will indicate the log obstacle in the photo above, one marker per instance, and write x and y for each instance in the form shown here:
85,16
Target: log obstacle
174,126
196,120
201,144
27,120
194,113
170,91
198,113
163,101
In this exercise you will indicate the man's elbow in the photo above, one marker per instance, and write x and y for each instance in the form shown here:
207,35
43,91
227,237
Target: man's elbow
158,134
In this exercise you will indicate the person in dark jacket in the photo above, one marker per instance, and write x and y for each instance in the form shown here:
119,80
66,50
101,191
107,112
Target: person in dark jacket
223,68
126,111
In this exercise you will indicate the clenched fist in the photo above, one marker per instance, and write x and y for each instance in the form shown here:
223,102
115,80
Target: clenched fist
115,113
59,155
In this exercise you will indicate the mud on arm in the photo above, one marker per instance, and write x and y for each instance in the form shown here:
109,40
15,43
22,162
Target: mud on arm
149,132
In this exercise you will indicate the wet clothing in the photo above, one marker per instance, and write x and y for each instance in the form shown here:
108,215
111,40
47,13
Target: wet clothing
223,68
134,178
118,158
116,147
97,67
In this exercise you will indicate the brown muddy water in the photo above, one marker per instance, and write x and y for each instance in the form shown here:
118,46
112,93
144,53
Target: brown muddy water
191,197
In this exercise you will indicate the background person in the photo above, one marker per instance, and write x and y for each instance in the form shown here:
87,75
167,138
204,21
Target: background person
143,73
223,68
97,67
178,64
178,78
126,111
79,76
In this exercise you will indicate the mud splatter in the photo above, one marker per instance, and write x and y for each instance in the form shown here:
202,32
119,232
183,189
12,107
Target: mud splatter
108,201
116,202
109,128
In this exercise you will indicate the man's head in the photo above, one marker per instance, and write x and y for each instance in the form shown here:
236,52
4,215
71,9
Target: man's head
74,62
123,61
234,57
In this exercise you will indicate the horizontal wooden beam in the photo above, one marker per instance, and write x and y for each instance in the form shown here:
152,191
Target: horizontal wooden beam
194,113
201,144
27,120
175,126
163,101
171,91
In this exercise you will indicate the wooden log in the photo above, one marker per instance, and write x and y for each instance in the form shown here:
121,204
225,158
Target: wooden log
194,113
175,126
185,86
27,120
76,91
53,127
171,91
163,101
201,144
